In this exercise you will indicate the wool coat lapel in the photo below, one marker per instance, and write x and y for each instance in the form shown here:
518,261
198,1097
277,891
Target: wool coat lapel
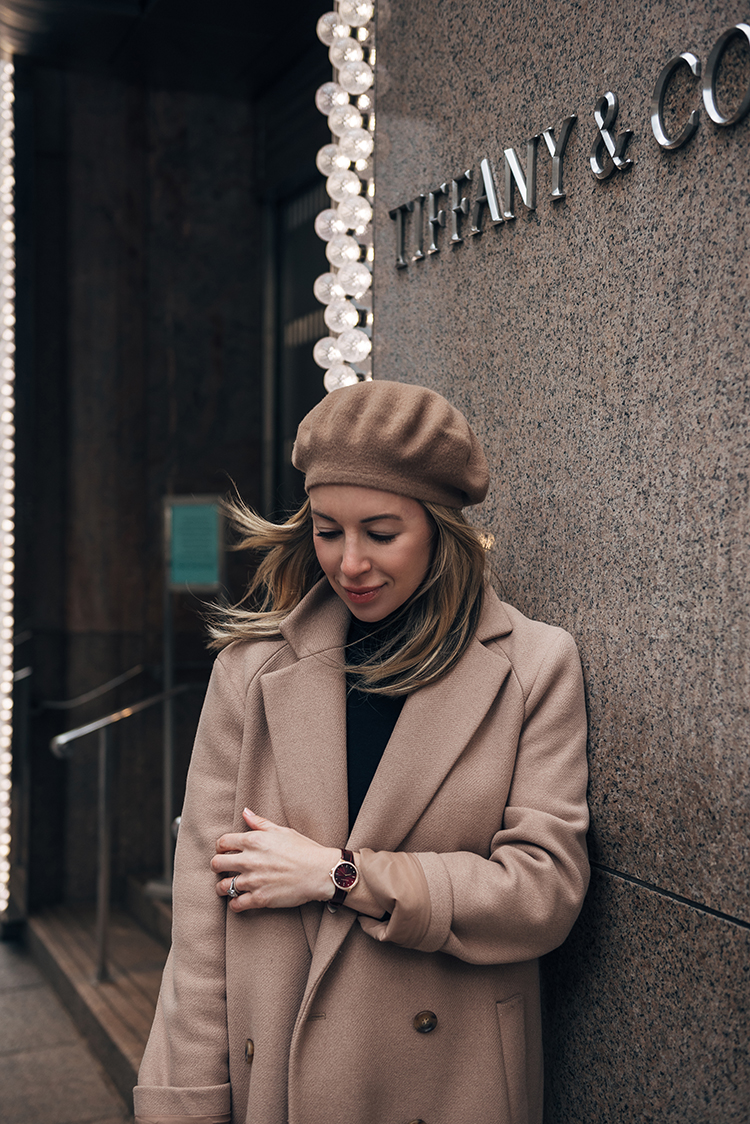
305,706
435,726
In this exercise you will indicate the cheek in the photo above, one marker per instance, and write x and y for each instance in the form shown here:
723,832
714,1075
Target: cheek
325,553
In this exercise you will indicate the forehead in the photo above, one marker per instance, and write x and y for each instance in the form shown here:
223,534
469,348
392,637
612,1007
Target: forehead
351,502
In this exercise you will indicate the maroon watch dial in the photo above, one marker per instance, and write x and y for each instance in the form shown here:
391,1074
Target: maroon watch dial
345,875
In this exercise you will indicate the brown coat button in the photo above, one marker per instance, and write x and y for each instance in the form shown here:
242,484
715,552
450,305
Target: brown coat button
249,1050
424,1022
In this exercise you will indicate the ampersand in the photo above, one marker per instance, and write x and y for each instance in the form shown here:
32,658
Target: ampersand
608,151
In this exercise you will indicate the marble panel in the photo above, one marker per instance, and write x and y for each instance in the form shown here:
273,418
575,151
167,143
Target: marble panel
647,1013
599,345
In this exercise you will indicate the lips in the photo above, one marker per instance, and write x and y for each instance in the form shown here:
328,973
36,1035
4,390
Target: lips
362,596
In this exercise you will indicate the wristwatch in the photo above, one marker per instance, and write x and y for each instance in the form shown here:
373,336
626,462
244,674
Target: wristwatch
344,877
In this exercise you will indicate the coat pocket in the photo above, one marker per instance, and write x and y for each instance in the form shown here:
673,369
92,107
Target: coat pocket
510,1016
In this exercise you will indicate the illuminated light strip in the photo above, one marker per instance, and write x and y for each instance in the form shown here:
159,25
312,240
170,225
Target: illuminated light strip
7,459
346,226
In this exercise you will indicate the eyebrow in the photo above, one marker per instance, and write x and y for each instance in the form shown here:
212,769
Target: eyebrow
370,518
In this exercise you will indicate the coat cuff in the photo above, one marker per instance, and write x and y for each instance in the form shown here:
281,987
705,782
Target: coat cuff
440,890
396,880
209,1104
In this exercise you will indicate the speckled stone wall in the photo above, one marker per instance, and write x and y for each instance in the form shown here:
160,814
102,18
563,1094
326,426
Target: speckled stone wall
599,345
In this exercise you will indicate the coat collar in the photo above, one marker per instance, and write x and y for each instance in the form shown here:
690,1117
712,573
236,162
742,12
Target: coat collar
305,706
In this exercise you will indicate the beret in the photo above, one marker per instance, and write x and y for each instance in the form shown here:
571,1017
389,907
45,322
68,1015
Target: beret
395,437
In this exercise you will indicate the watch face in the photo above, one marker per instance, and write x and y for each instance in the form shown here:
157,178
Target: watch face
345,875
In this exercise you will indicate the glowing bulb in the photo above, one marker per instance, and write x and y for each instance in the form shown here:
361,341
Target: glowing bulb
330,27
342,51
331,159
354,345
342,249
355,279
329,223
356,213
365,103
339,375
356,77
341,315
330,96
357,144
327,288
343,185
326,352
344,117
356,12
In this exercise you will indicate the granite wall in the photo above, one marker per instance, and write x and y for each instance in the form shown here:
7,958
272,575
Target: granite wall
598,342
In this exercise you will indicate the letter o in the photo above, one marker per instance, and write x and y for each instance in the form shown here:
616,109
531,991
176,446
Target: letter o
657,103
740,30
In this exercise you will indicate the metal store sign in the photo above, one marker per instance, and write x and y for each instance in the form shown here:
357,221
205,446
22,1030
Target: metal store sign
608,154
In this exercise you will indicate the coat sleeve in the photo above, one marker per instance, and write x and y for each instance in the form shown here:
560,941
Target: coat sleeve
184,1072
521,901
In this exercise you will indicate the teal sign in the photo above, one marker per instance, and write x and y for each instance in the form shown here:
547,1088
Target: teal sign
194,544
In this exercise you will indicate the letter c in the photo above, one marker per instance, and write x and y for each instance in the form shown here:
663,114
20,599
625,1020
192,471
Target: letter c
657,102
739,31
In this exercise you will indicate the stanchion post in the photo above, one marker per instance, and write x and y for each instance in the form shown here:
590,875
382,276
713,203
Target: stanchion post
105,857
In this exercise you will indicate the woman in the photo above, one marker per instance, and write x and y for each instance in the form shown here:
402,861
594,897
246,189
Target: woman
393,764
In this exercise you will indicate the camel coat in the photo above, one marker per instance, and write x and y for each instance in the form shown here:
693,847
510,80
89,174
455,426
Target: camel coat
304,1016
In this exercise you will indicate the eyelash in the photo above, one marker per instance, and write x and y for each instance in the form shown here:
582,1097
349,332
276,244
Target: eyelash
371,534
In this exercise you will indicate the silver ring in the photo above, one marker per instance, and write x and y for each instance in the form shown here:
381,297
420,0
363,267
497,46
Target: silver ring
233,892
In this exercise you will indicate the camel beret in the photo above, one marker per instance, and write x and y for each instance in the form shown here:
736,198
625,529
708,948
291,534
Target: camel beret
395,437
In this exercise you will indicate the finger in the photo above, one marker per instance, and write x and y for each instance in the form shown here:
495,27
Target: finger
232,841
257,823
223,886
221,863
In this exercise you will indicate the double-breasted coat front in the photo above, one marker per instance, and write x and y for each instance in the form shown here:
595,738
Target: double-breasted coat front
305,1016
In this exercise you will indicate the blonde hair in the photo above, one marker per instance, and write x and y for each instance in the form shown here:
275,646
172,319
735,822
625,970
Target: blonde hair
424,639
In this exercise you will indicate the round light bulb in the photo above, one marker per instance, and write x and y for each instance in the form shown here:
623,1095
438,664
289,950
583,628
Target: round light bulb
339,375
356,77
357,144
356,12
354,345
326,352
330,27
330,96
331,159
342,51
343,185
328,223
343,117
356,213
341,315
365,103
327,288
342,250
355,279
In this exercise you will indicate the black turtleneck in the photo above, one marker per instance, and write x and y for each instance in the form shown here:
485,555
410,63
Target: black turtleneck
370,719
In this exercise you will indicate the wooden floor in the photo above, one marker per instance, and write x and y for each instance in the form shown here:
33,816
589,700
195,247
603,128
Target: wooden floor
115,1016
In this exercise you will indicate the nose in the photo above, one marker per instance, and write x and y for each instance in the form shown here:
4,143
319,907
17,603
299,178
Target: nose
354,560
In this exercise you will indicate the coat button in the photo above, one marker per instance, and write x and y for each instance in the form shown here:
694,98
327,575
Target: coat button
424,1022
249,1050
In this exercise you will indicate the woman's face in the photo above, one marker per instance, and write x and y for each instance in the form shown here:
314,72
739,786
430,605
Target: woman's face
374,547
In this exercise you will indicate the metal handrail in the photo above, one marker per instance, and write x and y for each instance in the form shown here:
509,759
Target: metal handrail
59,746
97,692
60,740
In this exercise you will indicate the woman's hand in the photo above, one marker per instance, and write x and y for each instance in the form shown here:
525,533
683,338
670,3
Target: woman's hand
275,867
